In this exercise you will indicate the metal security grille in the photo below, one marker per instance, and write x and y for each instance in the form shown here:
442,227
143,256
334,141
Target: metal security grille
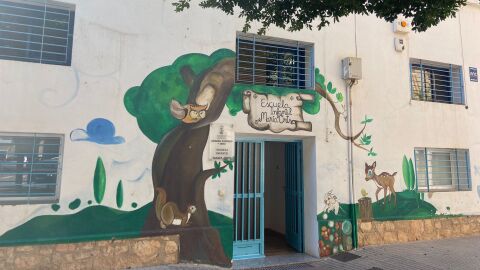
442,169
437,82
36,31
30,166
248,200
294,195
274,62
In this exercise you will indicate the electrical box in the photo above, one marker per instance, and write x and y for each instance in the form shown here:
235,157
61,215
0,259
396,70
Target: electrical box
352,68
400,44
402,26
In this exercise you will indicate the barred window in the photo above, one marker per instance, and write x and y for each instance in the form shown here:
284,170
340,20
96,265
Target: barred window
441,169
36,31
437,82
30,167
274,62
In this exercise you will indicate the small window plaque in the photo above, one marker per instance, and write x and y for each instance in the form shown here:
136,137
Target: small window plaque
222,142
473,74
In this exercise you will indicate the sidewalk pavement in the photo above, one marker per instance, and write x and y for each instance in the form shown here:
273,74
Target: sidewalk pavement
453,253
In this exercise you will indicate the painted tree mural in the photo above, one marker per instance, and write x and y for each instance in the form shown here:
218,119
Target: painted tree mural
174,107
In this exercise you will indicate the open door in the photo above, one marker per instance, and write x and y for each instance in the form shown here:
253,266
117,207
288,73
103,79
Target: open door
248,237
294,195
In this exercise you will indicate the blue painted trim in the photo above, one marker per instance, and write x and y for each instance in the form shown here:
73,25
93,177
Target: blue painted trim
469,177
426,169
248,246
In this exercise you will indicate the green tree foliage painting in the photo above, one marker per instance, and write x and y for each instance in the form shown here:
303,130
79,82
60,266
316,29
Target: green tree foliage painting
99,181
150,102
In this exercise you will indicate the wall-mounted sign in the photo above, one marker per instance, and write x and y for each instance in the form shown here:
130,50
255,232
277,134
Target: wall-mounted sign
222,141
473,74
275,113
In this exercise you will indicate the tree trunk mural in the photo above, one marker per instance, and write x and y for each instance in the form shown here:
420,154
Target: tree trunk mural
177,166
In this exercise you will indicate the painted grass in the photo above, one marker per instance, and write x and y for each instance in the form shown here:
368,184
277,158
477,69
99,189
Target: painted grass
409,206
92,223
98,223
224,225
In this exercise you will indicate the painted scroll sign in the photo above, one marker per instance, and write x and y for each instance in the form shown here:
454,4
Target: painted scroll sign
276,113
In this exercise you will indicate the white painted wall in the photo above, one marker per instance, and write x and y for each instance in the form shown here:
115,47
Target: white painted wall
118,42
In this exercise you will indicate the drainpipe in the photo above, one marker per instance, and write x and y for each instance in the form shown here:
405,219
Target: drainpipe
350,164
350,147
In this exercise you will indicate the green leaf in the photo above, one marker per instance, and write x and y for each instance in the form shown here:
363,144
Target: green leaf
339,97
119,194
319,78
366,139
229,163
223,170
217,165
367,120
371,153
99,181
214,176
411,172
330,89
406,172
74,204
55,207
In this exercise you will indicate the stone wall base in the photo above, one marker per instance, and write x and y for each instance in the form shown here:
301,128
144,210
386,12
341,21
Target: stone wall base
389,232
112,254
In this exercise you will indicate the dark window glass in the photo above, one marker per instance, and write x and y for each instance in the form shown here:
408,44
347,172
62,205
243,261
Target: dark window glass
29,167
274,62
34,32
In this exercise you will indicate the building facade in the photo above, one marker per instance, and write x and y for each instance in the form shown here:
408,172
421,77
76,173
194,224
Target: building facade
176,132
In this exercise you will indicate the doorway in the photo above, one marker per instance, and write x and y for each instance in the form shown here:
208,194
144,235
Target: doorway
268,199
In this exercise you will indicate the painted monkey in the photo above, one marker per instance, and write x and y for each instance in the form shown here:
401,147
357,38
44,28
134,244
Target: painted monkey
168,212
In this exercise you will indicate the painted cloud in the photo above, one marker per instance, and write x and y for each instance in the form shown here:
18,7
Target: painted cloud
99,130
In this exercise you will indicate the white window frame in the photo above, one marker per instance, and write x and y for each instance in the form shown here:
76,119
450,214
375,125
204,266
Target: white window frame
32,53
428,171
37,199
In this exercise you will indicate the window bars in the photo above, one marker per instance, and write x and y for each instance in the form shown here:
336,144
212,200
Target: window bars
436,82
30,167
36,31
442,169
274,62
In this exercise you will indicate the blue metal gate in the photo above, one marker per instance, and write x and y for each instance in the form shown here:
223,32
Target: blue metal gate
248,200
294,195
